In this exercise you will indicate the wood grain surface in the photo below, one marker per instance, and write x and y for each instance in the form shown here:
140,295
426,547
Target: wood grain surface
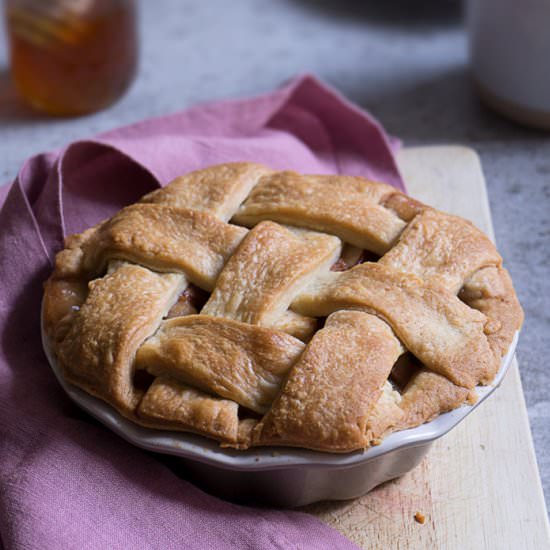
479,486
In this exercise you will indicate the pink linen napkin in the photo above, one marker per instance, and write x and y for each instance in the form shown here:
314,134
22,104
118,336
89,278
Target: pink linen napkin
65,481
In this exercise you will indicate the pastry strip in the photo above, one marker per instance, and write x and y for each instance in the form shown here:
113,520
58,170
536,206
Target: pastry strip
161,238
235,360
404,206
490,291
343,206
385,415
441,248
428,395
267,271
297,325
218,190
433,324
122,309
170,404
330,392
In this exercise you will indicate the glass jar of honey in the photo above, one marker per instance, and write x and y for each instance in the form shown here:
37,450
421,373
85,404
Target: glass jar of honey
71,57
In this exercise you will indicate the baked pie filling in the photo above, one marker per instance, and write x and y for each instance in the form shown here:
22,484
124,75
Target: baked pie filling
258,307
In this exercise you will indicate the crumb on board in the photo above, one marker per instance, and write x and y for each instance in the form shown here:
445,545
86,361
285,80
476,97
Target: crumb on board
275,453
420,517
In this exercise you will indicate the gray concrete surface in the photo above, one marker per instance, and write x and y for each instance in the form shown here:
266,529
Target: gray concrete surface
404,61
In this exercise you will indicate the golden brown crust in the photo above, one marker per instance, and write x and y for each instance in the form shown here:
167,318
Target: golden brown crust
442,249
244,434
173,405
405,207
385,415
271,288
62,300
444,333
68,262
267,271
235,360
490,291
162,238
120,312
343,206
218,190
331,390
428,395
297,325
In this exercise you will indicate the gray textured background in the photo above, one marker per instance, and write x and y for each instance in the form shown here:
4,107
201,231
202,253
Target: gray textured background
404,61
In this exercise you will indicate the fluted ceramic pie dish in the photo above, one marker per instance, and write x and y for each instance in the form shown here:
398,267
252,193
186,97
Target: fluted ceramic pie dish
274,310
276,475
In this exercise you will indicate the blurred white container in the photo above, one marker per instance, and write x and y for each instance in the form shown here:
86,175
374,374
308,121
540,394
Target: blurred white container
510,57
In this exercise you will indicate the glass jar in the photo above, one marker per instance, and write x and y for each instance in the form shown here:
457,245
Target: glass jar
71,57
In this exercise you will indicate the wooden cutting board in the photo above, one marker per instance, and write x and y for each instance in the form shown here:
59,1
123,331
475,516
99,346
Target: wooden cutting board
479,486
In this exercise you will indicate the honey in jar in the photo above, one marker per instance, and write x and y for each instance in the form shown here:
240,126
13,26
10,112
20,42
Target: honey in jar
71,57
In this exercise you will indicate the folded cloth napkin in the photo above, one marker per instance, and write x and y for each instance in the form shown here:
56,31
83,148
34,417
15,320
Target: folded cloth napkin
65,481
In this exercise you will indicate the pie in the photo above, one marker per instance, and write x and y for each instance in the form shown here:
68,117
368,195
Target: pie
259,307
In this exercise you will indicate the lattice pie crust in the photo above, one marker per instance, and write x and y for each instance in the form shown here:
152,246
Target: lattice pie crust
272,308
